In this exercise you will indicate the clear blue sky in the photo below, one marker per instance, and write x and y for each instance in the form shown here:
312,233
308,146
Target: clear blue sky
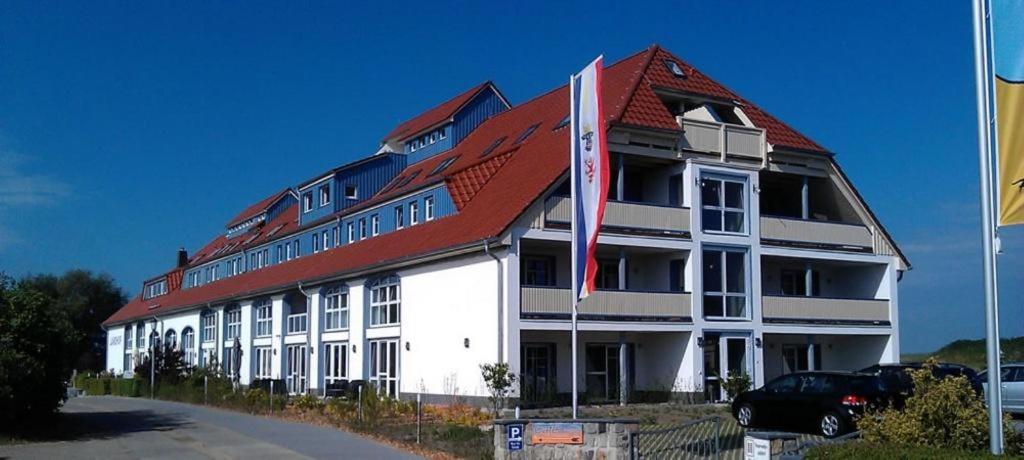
130,129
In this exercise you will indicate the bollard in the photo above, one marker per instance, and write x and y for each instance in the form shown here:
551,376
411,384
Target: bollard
517,412
419,416
360,409
271,396
206,390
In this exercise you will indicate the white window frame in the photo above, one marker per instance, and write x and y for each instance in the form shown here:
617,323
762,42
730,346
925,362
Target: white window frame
325,195
336,309
721,209
723,251
264,318
326,243
335,362
232,323
399,217
307,201
263,358
315,242
351,232
428,208
355,192
385,356
297,368
362,228
375,225
208,323
414,218
188,345
386,301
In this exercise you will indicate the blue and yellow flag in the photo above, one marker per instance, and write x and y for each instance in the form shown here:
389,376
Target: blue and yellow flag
1008,44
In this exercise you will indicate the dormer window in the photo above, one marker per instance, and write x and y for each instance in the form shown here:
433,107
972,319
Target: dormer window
675,68
307,201
433,137
441,134
351,192
155,289
325,195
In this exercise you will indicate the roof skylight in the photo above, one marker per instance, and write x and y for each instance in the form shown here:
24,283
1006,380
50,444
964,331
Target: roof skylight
494,145
443,165
526,134
675,68
563,123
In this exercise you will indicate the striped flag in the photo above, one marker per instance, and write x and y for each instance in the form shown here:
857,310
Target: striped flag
1008,45
589,173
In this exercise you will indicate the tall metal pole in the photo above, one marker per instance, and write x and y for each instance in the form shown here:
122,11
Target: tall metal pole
983,83
575,243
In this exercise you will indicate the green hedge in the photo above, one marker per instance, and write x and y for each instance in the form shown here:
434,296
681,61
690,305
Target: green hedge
96,387
870,451
125,387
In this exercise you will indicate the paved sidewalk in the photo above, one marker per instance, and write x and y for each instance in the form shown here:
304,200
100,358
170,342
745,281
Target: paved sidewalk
110,427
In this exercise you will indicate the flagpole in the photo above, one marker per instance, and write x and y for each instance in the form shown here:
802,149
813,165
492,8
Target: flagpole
572,231
983,86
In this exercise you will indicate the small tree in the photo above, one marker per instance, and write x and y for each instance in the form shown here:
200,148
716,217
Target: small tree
736,384
499,383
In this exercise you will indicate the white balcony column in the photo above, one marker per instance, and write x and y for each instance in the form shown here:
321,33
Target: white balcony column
219,338
623,370
277,336
314,326
808,279
620,178
245,338
357,323
622,269
811,351
805,200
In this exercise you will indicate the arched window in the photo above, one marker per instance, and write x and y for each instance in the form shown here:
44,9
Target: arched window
171,339
154,339
385,301
188,345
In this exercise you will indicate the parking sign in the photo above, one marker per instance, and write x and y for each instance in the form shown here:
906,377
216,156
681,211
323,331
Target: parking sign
515,437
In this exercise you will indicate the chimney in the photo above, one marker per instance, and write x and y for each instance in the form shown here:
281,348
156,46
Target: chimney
182,257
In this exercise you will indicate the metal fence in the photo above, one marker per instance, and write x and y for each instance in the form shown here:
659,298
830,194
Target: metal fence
699,438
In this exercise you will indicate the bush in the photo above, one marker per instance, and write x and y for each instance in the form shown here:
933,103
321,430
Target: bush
125,387
307,403
874,451
499,382
942,413
96,386
735,385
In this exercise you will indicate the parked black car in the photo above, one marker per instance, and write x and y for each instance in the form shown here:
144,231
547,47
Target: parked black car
896,377
823,402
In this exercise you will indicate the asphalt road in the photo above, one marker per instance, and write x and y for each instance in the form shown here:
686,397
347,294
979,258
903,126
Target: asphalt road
110,427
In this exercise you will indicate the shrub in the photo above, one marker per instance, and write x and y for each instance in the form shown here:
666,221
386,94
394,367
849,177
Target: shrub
942,413
96,386
125,387
307,403
857,450
735,385
499,382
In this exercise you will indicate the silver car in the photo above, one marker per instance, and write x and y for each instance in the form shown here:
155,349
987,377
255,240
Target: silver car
1012,378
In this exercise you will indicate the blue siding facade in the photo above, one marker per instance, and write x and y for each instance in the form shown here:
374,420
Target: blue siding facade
476,111
436,141
367,177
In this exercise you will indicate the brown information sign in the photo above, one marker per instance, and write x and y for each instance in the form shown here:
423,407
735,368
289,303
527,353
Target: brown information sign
558,433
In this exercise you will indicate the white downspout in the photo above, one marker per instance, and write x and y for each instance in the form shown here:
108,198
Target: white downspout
501,301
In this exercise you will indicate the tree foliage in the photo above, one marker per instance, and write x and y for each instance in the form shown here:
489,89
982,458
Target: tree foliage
943,413
87,299
499,382
38,348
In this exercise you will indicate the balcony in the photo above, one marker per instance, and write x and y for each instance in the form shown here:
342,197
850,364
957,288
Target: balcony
824,310
722,138
816,233
556,303
625,216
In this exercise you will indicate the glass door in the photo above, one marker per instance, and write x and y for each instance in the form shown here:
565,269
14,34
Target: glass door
603,373
538,379
384,366
296,375
726,355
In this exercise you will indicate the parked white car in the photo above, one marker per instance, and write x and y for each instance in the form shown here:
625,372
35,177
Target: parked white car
1012,378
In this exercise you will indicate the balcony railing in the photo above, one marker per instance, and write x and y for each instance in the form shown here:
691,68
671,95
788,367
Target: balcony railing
297,323
802,309
814,232
556,303
625,215
709,136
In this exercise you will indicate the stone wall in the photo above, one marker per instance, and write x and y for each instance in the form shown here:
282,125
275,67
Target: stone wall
602,439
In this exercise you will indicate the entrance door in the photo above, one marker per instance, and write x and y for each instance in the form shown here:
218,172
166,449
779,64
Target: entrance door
384,366
604,371
297,365
538,379
725,355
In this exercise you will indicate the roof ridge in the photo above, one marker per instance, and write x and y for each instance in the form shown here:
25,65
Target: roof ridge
468,94
635,81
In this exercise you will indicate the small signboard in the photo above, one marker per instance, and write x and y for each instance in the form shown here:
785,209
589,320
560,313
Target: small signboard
515,436
558,433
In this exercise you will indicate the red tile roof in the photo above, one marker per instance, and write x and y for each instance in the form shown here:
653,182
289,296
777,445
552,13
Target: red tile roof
287,220
256,209
490,192
435,115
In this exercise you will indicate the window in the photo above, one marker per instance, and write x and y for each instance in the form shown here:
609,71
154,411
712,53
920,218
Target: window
295,248
428,208
297,319
725,280
209,322
362,228
677,275
414,217
674,67
227,365
156,288
494,145
443,165
336,309
336,242
351,232
171,339
188,346
522,137
433,137
128,337
325,195
232,323
441,133
280,253
794,282
325,236
723,205
538,271
384,367
262,362
399,217
316,242
140,336
335,362
385,301
307,201
351,192
296,369
127,364
264,318
795,358
288,251
607,274
375,225
561,124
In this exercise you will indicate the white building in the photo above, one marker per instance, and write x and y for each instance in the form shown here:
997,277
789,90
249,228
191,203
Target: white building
731,244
